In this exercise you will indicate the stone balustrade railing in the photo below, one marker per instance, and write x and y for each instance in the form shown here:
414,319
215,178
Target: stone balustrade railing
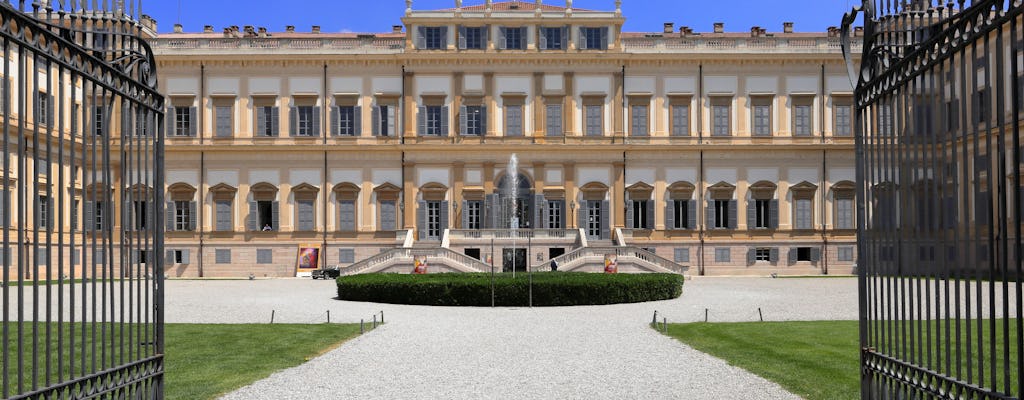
508,234
655,44
576,258
360,45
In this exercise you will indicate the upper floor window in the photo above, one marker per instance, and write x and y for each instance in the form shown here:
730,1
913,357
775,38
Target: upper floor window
44,108
99,120
473,120
345,120
638,117
680,117
802,120
843,118
433,37
513,120
721,109
224,118
554,119
761,114
384,120
266,116
305,121
472,37
553,38
433,121
593,38
511,38
183,121
594,119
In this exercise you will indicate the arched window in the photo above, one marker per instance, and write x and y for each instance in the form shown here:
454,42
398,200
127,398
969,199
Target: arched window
347,196
223,210
762,207
722,208
639,206
680,208
264,208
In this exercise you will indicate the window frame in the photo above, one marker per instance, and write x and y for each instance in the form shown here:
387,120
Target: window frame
718,104
802,126
758,103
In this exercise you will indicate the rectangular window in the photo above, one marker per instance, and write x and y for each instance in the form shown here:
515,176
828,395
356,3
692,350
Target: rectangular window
42,167
680,214
346,256
433,220
639,212
473,38
884,111
721,214
433,120
473,214
180,256
182,216
681,255
514,120
762,214
43,112
347,215
554,39
555,214
140,214
845,253
844,214
266,121
225,128
720,111
475,121
183,121
388,215
595,120
97,223
981,104
844,119
639,120
802,120
680,120
593,38
762,254
514,38
347,121
222,256
99,116
803,254
762,115
803,214
43,219
306,215
305,123
434,38
722,254
554,120
384,121
223,215
264,256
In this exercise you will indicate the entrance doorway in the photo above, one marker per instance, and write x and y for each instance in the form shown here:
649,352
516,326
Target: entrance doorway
594,219
509,255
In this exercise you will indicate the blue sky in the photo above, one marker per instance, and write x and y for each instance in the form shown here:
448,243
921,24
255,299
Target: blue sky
379,15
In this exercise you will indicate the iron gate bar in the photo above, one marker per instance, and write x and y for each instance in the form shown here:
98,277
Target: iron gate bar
88,67
933,179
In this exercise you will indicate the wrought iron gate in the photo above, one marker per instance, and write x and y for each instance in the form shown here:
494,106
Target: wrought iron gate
939,100
82,179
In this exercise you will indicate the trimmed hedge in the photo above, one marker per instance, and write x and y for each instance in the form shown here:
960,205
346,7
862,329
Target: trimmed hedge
474,289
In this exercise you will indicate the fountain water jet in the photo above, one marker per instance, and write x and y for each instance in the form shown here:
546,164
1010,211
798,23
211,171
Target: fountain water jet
513,209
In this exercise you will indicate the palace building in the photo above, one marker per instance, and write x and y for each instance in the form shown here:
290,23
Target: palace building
716,152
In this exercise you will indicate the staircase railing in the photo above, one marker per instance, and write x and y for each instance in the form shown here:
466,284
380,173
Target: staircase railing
575,258
499,234
407,255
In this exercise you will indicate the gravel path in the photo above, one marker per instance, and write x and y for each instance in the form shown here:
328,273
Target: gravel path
473,353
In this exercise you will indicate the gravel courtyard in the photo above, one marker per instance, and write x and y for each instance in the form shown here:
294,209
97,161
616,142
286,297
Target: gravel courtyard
470,353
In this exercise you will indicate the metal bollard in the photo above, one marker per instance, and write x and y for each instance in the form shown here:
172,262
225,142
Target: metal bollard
665,324
272,312
361,329
328,316
375,321
705,315
382,316
655,319
759,315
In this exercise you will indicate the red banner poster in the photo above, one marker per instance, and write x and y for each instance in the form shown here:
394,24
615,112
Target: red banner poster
611,264
419,265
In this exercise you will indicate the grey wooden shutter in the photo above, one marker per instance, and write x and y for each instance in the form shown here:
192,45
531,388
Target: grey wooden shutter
421,37
275,121
193,122
89,216
463,120
462,38
293,121
223,215
444,121
168,121
50,104
491,212
335,121
562,215
388,216
135,257
649,223
604,39
751,256
357,121
316,122
816,254
691,214
375,120
565,38
168,259
501,37
751,214
670,214
543,35
540,207
483,120
192,216
792,255
421,121
733,208
168,216
185,257
581,217
421,219
464,220
773,255
347,216
275,215
773,214
261,122
51,214
444,37
252,220
582,42
709,217
444,216
605,218
630,223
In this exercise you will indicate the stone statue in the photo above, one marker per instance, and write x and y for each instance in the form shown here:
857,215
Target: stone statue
458,3
568,3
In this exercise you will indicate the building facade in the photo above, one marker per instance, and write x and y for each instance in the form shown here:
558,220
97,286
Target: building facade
728,153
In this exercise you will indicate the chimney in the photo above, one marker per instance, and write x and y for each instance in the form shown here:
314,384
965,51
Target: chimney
669,27
755,31
719,27
207,28
149,22
316,28
858,31
833,31
289,28
262,32
178,28
685,30
396,29
787,27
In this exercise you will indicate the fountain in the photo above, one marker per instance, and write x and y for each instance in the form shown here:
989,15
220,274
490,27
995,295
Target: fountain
513,192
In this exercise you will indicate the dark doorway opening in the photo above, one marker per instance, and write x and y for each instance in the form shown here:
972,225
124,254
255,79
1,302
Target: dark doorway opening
475,253
555,252
518,255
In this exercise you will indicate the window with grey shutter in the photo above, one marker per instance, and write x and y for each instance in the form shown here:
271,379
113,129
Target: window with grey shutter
223,215
762,118
346,256
99,256
513,38
388,216
222,256
555,214
343,121
722,255
472,120
680,120
803,214
720,119
802,120
844,120
264,256
605,220
347,216
223,117
306,216
267,121
595,120
639,121
435,120
554,120
472,38
76,257
306,121
514,120
472,214
844,214
681,255
42,256
845,253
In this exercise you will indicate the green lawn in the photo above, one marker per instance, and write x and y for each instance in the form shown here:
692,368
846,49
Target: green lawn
815,360
201,361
